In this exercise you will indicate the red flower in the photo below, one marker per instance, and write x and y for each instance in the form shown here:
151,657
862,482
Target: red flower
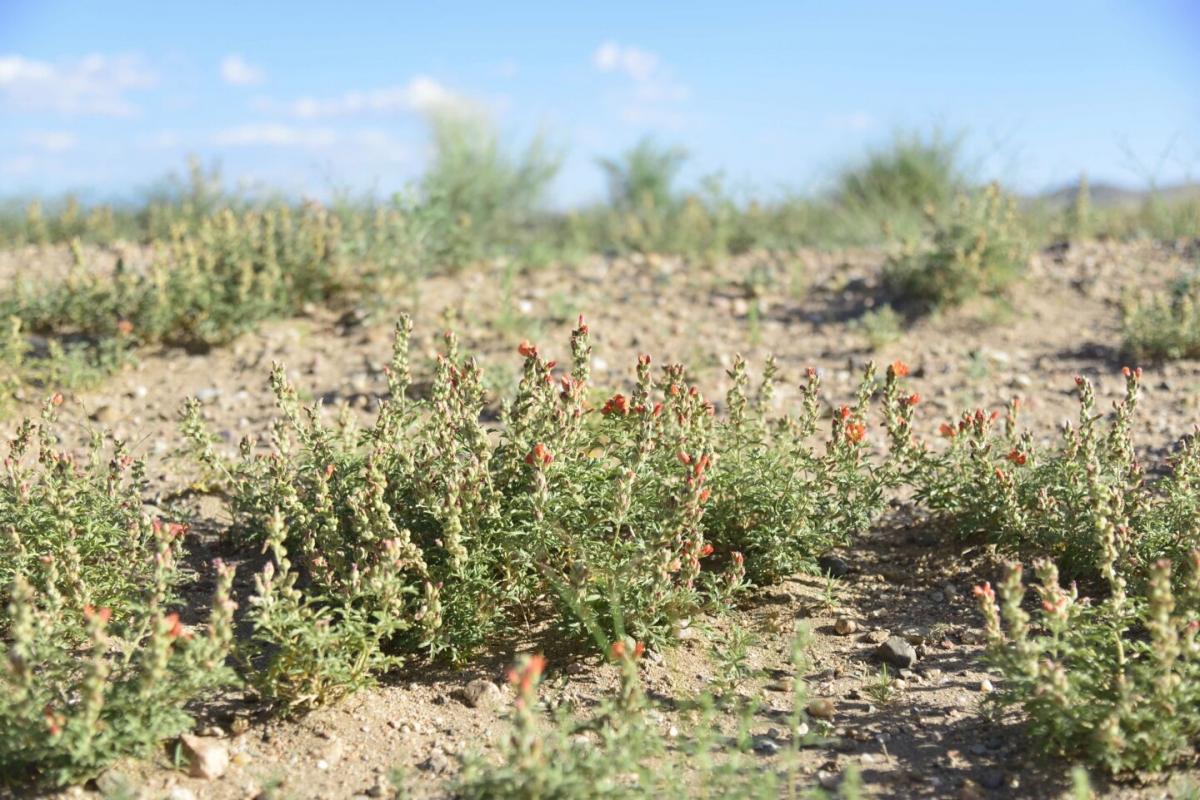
527,349
617,651
617,404
524,679
985,590
1017,457
638,649
658,407
540,454
176,627
913,399
124,327
899,369
856,431
103,614
844,412
57,399
583,328
684,458
707,550
644,360
810,372
947,430
704,495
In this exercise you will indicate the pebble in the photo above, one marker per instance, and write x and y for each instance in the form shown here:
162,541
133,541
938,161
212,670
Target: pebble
844,626
897,652
207,758
208,394
481,693
833,565
821,708
766,746
181,793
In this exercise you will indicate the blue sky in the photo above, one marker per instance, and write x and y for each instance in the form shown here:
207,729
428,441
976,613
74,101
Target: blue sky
316,97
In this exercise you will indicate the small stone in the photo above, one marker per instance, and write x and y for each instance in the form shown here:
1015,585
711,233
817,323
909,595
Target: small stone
112,783
828,780
971,791
181,793
878,636
844,626
437,763
481,693
766,746
992,778
821,708
897,652
207,758
105,415
833,565
208,394
985,686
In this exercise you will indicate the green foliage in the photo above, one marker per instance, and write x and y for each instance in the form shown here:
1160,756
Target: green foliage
895,185
1161,326
1048,502
975,246
479,200
428,532
1116,682
85,518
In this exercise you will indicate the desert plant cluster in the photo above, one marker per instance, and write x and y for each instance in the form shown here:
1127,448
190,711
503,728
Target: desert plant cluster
614,516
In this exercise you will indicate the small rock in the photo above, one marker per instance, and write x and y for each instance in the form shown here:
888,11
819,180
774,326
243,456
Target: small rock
207,758
897,652
992,778
208,394
985,686
481,693
181,793
971,791
437,763
766,746
821,708
112,783
833,565
105,415
844,626
828,780
878,636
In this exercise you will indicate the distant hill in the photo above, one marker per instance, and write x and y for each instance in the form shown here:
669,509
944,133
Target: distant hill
1109,195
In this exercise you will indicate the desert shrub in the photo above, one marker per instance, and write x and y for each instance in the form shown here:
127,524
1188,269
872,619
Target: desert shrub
1116,682
975,246
896,185
428,532
618,751
68,710
1163,325
477,199
1032,501
83,516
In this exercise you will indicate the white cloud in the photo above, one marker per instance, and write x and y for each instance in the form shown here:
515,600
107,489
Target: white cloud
421,94
268,133
639,65
97,84
854,121
53,141
236,71
371,142
653,95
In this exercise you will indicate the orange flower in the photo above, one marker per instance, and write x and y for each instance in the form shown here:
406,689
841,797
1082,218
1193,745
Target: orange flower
913,399
638,649
617,404
617,651
540,454
658,407
844,412
583,328
899,369
527,349
985,590
1017,457
57,399
124,327
856,432
524,678
103,614
707,550
176,627
684,458
947,430
704,495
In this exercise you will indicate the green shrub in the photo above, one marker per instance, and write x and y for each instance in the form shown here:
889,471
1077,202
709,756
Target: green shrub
974,247
477,200
1115,683
1162,326
85,517
1037,502
428,532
